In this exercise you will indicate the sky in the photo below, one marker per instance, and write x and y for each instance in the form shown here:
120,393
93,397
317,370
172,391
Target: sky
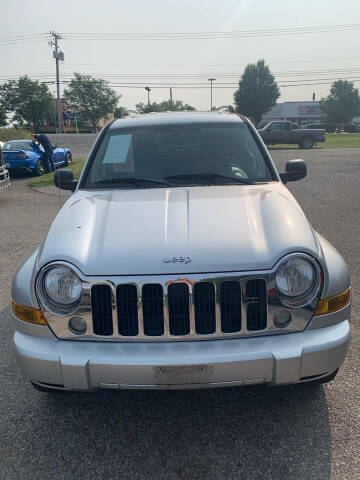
294,59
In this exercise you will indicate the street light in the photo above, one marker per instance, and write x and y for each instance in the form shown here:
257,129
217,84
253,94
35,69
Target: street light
148,89
211,80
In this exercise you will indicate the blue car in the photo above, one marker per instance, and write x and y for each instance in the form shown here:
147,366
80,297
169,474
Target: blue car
27,155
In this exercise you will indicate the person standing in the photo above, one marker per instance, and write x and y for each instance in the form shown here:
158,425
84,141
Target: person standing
49,150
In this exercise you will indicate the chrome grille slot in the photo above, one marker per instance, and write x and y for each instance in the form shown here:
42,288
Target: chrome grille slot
230,306
256,304
153,309
204,302
127,310
101,304
178,305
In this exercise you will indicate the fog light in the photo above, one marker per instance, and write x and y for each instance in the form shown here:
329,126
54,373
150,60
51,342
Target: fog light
282,318
77,325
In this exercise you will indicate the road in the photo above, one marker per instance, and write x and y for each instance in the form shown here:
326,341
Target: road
298,432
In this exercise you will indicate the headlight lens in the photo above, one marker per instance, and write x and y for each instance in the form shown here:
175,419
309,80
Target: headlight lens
296,277
62,286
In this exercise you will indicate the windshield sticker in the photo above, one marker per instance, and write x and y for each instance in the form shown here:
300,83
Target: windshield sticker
118,149
119,153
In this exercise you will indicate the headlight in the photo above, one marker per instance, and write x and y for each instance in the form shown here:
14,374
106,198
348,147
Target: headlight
297,280
61,286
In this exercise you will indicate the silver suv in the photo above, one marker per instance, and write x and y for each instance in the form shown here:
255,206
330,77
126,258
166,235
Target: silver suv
180,261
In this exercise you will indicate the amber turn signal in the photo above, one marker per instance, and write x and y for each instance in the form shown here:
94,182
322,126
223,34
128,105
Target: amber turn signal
332,304
28,314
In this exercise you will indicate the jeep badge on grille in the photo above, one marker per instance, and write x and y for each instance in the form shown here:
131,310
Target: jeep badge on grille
177,259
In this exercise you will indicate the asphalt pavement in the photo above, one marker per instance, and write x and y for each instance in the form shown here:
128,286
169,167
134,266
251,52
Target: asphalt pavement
297,432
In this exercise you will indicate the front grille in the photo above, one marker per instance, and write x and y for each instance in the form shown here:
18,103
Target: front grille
181,308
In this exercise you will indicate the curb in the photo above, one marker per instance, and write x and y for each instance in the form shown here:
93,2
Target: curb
50,190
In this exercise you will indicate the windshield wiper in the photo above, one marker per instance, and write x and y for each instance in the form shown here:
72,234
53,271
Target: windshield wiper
210,177
133,181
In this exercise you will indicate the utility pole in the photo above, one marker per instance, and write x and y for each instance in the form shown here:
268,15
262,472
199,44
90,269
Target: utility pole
171,98
211,80
148,89
58,55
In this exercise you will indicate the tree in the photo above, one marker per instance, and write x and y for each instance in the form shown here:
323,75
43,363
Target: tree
120,112
93,96
343,103
257,92
165,106
3,117
29,100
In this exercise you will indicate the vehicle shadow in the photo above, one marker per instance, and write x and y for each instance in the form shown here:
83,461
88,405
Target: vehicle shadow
233,433
20,175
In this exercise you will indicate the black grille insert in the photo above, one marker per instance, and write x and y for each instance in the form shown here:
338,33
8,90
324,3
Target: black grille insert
153,312
256,304
230,306
204,303
127,303
179,313
101,304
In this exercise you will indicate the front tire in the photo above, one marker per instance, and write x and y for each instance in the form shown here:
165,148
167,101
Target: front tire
307,142
39,169
68,159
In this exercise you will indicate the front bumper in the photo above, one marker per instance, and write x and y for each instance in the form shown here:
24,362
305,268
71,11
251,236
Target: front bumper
275,359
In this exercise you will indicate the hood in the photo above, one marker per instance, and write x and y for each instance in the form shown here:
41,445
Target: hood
222,228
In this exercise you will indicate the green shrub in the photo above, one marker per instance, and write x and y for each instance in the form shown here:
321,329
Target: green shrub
330,127
351,128
7,134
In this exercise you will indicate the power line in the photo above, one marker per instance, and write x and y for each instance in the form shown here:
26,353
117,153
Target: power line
205,86
209,35
225,76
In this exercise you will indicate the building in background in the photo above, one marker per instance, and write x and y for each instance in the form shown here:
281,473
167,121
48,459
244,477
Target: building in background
299,112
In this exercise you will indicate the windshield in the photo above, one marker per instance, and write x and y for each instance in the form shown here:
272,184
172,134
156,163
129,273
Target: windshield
17,146
177,155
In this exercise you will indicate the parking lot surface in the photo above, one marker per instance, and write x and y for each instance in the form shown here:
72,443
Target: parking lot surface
297,432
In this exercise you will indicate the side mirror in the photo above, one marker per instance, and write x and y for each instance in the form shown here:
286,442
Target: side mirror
294,170
64,179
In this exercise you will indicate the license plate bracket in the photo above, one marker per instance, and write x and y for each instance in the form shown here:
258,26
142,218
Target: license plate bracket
182,374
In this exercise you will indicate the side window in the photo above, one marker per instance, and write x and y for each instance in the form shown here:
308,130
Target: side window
286,127
276,127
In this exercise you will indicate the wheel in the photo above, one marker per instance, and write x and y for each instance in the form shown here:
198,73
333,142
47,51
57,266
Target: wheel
68,159
40,169
44,389
307,142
